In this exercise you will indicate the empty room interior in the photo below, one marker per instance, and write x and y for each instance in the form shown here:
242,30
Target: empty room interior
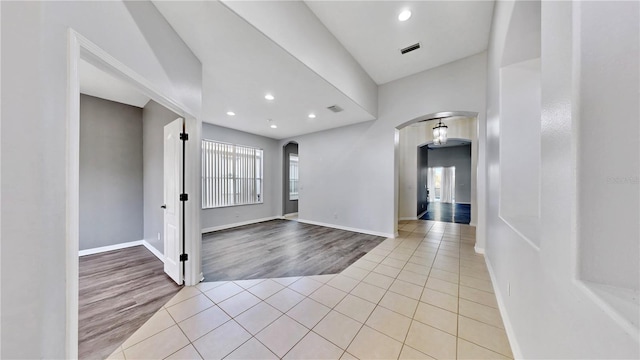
320,179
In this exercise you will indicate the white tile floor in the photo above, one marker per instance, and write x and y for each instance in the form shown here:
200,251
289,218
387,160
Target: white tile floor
423,295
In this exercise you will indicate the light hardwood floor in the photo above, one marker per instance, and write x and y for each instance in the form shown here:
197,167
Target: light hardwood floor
119,291
281,248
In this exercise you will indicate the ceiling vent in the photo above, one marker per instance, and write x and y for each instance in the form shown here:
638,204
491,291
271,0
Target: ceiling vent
335,108
410,48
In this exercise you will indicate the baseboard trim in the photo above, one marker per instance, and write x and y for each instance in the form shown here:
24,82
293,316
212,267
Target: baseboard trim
242,223
515,348
110,248
362,231
479,250
153,250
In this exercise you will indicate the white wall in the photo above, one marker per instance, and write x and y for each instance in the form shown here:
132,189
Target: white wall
420,133
215,218
339,181
520,147
33,209
548,313
354,182
609,160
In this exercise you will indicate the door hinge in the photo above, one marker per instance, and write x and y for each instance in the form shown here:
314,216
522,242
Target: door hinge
184,257
184,197
184,136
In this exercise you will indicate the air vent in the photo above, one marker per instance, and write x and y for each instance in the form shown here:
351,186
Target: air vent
410,48
335,108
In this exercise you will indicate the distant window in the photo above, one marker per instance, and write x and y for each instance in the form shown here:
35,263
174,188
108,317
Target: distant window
231,174
293,177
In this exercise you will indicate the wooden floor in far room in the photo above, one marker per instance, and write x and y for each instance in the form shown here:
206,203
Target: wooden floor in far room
119,291
281,248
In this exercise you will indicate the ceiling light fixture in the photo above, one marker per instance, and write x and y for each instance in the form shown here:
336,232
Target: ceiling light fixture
269,97
231,113
312,116
404,15
274,126
440,133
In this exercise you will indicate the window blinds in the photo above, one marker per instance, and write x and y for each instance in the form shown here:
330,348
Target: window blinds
231,174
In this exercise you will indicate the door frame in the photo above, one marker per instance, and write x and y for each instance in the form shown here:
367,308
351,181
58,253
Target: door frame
285,178
82,48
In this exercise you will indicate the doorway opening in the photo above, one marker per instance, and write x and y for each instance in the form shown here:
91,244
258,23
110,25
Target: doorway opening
448,181
291,181
414,144
82,51
441,184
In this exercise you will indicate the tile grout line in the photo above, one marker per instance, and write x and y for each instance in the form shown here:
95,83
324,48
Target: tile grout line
358,282
421,293
377,304
404,342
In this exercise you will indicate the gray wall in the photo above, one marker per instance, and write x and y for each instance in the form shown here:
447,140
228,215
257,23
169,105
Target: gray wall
110,173
271,202
154,118
460,157
421,185
290,206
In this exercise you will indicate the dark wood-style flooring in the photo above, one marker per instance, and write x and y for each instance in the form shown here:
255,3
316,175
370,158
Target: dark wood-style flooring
281,248
455,213
119,291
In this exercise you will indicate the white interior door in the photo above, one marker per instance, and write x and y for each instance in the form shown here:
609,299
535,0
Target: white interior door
173,207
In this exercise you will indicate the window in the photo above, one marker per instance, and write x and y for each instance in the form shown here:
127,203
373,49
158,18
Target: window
231,174
293,176
441,183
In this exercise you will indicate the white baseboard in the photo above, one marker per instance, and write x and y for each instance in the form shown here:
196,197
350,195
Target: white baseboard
478,250
229,226
513,341
473,224
109,248
153,250
368,232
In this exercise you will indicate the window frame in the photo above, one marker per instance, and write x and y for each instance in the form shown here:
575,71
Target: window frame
235,178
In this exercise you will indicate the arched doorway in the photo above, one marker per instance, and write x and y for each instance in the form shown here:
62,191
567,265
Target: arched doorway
290,180
406,160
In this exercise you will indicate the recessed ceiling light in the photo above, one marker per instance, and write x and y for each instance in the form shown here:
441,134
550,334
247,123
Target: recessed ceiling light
404,15
231,113
269,97
312,116
274,126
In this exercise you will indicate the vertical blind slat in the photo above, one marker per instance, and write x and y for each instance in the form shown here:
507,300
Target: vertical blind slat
231,174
